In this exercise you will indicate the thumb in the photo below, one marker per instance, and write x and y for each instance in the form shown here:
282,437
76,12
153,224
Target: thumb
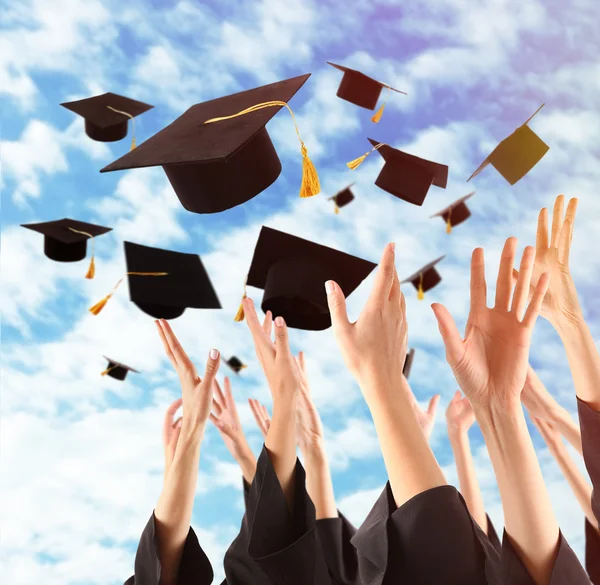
433,404
176,431
212,367
450,334
337,305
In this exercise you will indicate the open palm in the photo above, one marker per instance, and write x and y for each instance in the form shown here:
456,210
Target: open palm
459,414
490,364
309,430
552,257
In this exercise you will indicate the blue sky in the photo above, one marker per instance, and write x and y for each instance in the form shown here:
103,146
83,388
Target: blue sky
82,459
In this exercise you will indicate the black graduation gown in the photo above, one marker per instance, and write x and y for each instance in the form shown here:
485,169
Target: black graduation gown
284,545
431,538
589,421
493,535
567,569
340,555
194,569
592,553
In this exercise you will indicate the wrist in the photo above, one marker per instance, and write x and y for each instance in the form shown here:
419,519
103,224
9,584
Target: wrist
244,454
569,325
314,451
192,433
457,433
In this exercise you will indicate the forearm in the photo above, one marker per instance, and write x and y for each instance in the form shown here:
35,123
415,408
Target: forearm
569,429
247,462
528,517
467,478
410,463
281,445
580,486
584,360
173,512
318,481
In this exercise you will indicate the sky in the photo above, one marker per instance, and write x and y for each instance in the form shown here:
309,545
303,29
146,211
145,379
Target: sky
81,461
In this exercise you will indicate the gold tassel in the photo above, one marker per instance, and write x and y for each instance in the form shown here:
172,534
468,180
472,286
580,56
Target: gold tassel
239,316
358,161
420,293
133,142
92,269
336,210
102,303
310,185
108,370
449,221
379,112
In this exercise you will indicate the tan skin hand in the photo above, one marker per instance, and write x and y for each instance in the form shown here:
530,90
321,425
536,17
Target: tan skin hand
552,257
426,417
490,364
171,431
459,414
537,400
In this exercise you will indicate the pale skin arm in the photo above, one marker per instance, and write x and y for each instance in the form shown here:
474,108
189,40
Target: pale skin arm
460,417
283,378
173,512
494,338
561,305
577,481
374,349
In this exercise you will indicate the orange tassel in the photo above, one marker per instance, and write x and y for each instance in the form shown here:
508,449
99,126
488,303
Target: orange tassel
358,161
91,270
239,316
378,114
107,370
420,292
449,221
336,209
310,184
102,303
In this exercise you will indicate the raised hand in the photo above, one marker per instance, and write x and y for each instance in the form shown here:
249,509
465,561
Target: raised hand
490,363
225,418
170,434
309,429
196,392
538,401
261,416
459,414
374,347
426,417
552,256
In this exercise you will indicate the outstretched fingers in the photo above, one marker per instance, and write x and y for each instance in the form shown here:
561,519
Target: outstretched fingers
535,306
336,302
557,220
384,279
541,241
181,358
450,334
521,293
505,275
478,284
262,341
566,234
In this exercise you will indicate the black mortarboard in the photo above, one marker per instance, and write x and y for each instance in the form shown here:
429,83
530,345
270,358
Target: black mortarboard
216,166
405,175
425,278
517,154
116,370
65,240
361,90
164,283
342,198
455,213
235,364
293,271
410,356
186,285
102,122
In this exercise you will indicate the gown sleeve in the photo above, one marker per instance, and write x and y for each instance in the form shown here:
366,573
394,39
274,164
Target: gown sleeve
284,545
431,538
341,557
194,568
493,535
592,553
589,420
567,569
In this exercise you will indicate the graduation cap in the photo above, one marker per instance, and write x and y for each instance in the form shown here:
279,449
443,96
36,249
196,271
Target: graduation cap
235,364
182,282
425,278
455,213
410,356
106,116
405,175
516,155
361,90
65,240
218,154
342,198
293,271
116,370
